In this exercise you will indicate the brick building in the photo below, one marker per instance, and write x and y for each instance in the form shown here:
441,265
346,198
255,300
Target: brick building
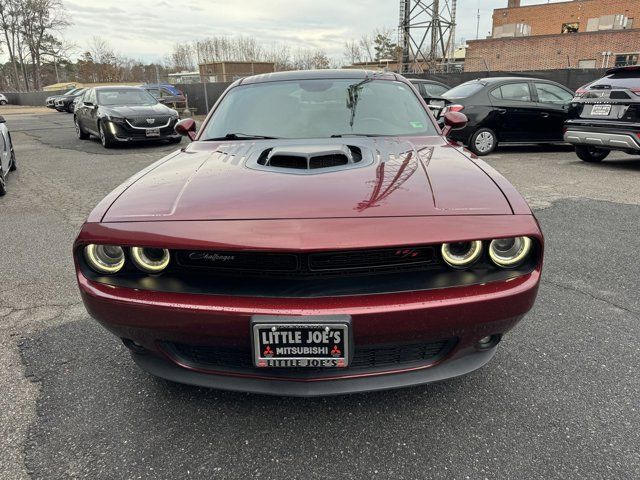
571,34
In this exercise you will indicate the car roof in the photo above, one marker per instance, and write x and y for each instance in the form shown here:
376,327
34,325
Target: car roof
317,75
628,68
426,80
118,87
490,80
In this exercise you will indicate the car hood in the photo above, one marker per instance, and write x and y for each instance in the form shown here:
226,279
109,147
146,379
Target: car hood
224,181
137,111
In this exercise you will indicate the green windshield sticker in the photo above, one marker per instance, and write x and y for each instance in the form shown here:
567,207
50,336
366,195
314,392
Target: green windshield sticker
417,124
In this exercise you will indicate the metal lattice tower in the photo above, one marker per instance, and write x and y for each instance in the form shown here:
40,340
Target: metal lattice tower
427,34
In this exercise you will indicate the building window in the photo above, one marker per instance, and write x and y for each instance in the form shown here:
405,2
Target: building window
625,59
570,27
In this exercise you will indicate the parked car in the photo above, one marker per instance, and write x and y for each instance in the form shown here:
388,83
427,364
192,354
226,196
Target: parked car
7,156
318,236
66,103
507,110
124,114
50,102
3,99
605,116
166,93
429,89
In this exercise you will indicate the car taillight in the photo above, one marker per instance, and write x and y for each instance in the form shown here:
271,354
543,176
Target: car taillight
453,108
636,91
580,92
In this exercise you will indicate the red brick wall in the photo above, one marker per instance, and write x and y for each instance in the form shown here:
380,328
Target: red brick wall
547,19
548,52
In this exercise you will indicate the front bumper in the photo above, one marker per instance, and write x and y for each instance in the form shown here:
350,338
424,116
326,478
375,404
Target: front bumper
623,137
123,132
466,314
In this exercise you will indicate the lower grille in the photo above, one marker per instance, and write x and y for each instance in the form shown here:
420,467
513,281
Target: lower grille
364,358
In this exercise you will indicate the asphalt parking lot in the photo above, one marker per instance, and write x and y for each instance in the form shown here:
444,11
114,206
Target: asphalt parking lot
561,399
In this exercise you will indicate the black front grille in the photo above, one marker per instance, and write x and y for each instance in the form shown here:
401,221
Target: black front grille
141,122
364,358
310,264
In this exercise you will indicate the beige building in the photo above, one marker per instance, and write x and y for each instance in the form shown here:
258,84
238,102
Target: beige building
231,71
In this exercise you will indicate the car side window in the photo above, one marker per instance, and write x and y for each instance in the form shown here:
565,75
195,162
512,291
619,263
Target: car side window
548,93
434,90
516,92
90,96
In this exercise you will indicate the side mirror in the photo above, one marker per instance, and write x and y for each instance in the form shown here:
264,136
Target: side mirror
454,121
186,128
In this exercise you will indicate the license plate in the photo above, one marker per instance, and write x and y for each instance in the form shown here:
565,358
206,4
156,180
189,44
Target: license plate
153,132
312,343
601,110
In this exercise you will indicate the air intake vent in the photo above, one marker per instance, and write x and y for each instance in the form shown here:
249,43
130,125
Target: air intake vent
310,157
301,159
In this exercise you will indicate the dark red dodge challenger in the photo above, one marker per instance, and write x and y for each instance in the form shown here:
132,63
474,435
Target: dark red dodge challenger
319,236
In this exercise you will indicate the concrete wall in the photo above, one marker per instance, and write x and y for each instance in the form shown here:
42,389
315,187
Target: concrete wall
34,99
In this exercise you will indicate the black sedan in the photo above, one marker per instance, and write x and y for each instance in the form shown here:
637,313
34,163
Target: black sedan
65,103
124,114
507,110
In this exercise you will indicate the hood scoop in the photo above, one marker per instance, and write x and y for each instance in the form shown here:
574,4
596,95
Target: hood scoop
311,159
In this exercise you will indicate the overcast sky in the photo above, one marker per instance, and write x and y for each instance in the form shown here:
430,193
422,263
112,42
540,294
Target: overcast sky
147,29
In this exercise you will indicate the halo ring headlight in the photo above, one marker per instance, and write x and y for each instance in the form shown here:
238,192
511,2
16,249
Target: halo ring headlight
461,254
510,252
150,260
104,258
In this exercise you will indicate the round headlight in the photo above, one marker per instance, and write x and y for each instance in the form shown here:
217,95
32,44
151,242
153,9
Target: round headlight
150,260
104,258
462,254
510,252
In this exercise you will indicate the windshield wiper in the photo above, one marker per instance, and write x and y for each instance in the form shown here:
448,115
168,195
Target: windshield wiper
241,136
353,96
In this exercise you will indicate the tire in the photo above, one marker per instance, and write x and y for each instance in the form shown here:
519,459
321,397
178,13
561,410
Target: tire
3,185
105,137
80,133
70,108
483,142
13,166
591,154
3,102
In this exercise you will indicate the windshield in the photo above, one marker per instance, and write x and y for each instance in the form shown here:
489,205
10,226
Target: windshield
125,96
320,109
465,90
73,90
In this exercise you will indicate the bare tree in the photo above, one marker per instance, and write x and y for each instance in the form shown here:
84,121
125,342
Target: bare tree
352,52
40,20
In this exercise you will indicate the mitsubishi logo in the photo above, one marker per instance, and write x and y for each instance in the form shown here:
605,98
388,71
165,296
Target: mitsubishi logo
151,121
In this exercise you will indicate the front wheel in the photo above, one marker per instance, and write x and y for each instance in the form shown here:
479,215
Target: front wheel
80,133
105,137
483,142
591,154
3,102
3,185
